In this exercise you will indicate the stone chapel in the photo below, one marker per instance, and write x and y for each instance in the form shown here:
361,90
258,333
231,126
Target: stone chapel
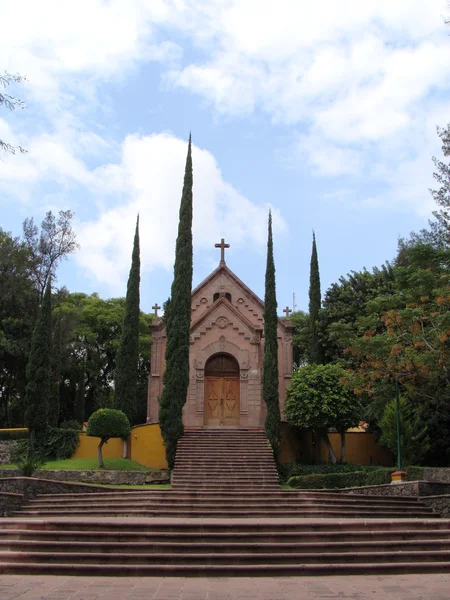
226,355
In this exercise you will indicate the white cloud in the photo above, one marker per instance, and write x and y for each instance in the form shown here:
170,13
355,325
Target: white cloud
150,178
355,76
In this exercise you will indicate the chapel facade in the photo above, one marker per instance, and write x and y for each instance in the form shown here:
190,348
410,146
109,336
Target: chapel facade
226,355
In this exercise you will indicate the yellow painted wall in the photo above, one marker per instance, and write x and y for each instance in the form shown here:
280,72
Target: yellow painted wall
15,429
88,447
361,448
147,446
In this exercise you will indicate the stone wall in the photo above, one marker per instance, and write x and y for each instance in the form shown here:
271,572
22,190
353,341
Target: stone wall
110,477
436,474
30,487
406,488
9,502
440,504
6,447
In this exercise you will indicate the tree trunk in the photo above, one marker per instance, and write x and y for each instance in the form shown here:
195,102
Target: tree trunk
6,405
99,454
342,446
330,447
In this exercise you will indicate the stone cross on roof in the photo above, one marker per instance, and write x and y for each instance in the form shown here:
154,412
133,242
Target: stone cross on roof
156,307
287,310
222,247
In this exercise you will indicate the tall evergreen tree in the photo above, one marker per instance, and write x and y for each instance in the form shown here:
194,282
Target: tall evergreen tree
315,300
53,402
178,322
270,368
127,358
80,398
39,386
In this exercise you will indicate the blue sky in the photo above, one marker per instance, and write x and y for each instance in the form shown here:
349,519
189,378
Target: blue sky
325,112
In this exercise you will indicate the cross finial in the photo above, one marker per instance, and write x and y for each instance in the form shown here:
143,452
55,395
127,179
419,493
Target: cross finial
156,307
222,247
287,310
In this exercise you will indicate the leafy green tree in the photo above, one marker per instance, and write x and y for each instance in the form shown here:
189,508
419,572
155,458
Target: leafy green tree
315,301
345,303
270,367
404,337
414,439
126,375
19,304
91,330
38,387
441,227
10,102
48,247
178,319
107,423
300,337
318,400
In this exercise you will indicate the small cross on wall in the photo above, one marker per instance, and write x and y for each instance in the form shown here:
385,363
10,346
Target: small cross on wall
156,307
222,247
288,311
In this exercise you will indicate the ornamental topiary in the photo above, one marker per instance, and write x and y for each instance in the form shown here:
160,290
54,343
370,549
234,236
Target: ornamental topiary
107,423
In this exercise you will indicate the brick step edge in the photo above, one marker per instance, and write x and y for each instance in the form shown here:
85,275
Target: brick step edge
223,570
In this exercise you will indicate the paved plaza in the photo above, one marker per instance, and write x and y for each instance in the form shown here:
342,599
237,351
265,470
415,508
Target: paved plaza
392,587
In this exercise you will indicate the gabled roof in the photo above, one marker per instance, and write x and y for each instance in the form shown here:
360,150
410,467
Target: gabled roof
222,268
219,303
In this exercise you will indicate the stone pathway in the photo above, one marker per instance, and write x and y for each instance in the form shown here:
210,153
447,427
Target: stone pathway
393,587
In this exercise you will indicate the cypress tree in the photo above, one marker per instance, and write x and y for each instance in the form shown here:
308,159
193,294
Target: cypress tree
54,399
127,357
39,377
78,412
178,322
315,301
270,368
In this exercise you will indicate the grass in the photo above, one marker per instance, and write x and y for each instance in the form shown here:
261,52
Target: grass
150,488
90,464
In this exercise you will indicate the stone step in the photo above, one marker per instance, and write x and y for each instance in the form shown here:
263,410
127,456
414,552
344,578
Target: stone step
199,512
232,570
226,558
204,546
226,538
278,495
178,499
240,526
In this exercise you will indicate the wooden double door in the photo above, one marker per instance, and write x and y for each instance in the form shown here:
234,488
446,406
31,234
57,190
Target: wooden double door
222,391
221,401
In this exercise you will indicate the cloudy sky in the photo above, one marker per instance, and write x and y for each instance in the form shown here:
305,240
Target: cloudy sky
324,111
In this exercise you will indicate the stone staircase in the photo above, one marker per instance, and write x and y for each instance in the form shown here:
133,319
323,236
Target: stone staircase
224,459
232,547
226,515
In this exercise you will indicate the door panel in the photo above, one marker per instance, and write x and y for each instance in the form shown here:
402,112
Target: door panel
231,401
221,401
213,413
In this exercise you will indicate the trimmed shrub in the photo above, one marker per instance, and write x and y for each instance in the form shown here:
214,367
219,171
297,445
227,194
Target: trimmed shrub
328,481
11,434
370,476
107,423
414,473
293,469
378,476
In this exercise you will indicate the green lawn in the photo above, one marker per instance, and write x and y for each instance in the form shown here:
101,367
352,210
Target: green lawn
149,488
91,464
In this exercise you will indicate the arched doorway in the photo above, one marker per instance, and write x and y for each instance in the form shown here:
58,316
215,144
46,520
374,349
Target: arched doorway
222,391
